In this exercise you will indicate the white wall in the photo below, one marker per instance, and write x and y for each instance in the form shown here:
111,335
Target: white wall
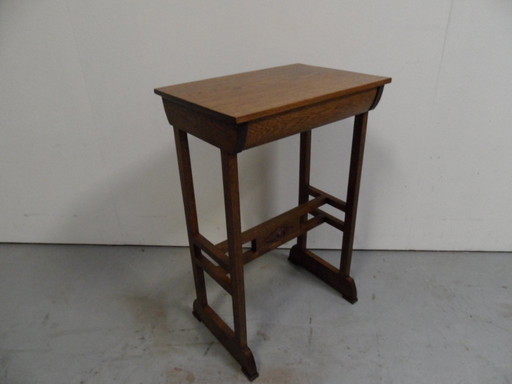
86,154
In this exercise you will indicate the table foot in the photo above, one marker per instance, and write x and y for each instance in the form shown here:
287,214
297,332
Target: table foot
196,315
324,271
227,338
251,375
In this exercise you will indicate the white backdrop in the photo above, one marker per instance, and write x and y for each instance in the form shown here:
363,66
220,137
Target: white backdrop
88,157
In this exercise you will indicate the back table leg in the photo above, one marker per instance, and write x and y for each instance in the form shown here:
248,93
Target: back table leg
305,167
354,180
339,279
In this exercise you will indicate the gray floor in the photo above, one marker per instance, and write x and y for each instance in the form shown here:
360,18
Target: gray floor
87,314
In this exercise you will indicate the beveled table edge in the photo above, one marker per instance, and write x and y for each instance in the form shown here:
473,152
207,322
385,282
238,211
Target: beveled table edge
380,81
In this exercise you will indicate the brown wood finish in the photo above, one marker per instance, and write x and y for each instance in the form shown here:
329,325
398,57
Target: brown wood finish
325,271
227,338
226,136
304,175
248,109
252,95
283,238
189,203
218,273
329,199
279,224
329,219
288,123
216,253
354,180
241,111
235,252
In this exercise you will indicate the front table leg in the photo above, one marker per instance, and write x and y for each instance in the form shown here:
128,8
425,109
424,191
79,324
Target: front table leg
235,252
189,203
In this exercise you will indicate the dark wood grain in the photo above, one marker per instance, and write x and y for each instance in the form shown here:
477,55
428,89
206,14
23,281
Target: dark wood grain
288,123
289,218
215,271
227,338
354,181
234,230
233,225
304,176
249,109
330,199
211,250
189,203
325,271
329,219
227,136
285,236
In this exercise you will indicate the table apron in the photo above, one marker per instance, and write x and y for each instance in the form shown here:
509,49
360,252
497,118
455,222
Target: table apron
233,138
303,119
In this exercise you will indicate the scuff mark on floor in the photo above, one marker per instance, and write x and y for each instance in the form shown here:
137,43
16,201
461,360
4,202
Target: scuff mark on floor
310,336
208,348
263,335
150,314
180,376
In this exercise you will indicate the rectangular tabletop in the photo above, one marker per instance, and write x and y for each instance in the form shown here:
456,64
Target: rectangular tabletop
248,109
251,95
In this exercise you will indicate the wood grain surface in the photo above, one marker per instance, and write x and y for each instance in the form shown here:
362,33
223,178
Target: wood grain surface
251,95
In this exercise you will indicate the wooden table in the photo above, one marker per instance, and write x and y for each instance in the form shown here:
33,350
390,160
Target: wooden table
242,111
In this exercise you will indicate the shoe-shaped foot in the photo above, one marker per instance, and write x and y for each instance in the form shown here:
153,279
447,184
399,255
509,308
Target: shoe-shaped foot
324,271
251,375
195,312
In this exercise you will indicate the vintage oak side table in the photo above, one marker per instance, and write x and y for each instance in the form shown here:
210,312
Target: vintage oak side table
245,110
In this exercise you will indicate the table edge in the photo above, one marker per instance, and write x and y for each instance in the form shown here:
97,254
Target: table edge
279,109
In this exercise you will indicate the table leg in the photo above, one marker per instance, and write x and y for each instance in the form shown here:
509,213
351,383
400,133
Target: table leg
235,252
354,180
305,166
189,203
339,279
234,341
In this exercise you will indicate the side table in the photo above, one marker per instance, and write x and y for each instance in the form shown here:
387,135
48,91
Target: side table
245,110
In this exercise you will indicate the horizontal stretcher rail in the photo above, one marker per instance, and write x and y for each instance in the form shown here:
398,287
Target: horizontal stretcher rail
211,250
303,228
218,273
270,226
329,199
329,219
